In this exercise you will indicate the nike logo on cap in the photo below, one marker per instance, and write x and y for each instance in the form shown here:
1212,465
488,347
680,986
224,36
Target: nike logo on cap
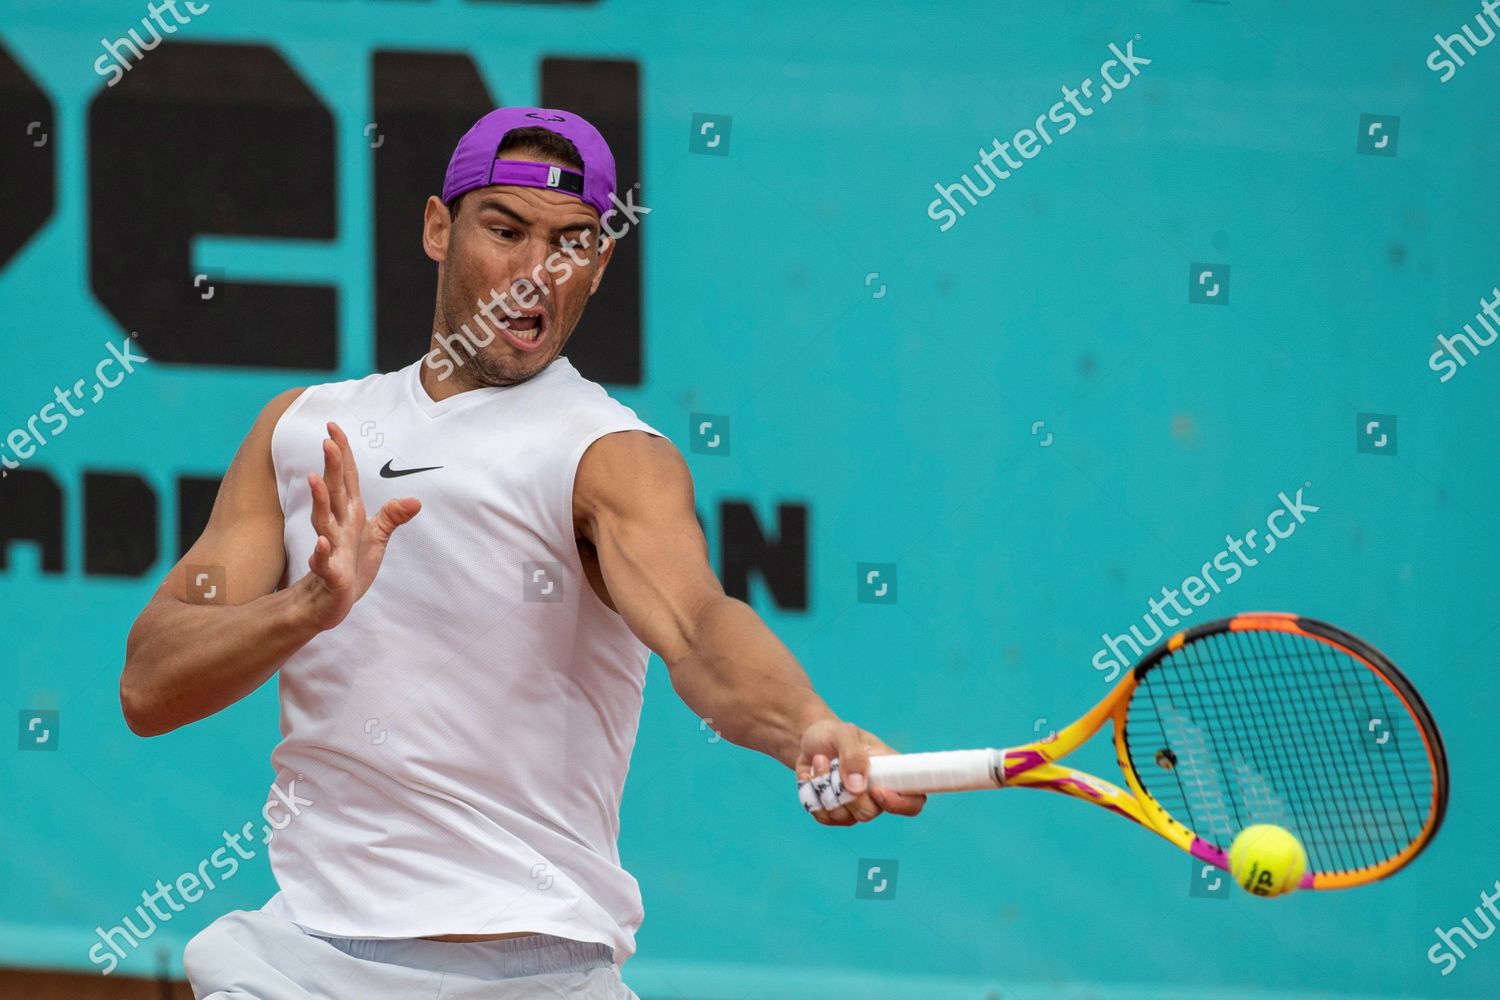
386,472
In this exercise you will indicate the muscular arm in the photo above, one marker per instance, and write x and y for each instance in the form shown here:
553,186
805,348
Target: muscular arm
186,660
633,500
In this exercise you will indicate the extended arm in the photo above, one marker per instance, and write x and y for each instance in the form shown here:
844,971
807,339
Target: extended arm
633,501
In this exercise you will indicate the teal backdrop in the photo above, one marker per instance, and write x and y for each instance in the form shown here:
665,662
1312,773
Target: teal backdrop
1037,417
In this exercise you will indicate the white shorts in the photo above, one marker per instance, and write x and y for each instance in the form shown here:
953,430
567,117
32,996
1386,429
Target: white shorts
252,955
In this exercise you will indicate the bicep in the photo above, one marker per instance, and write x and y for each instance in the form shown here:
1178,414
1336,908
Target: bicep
633,500
240,551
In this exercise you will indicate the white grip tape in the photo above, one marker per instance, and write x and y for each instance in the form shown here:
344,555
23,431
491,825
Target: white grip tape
942,771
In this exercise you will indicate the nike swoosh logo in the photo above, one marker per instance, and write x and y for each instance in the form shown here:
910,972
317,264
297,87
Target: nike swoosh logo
386,472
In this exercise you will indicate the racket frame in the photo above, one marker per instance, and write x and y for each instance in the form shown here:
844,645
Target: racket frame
1036,764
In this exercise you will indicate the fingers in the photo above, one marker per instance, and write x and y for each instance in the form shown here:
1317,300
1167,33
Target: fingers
860,810
322,515
319,561
898,803
851,748
322,522
346,454
839,815
392,515
854,761
333,478
854,767
864,809
828,790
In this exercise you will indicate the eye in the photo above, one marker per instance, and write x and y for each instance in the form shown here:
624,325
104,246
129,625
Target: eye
504,232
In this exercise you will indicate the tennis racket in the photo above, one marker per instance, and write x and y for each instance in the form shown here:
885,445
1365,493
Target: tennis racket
1259,718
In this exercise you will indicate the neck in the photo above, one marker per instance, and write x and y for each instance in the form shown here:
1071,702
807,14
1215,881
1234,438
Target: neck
439,389
462,378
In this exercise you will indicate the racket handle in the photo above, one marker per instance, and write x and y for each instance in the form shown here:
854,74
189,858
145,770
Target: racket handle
940,771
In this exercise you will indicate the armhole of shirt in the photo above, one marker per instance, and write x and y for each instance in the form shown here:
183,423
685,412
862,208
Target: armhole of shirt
275,432
574,461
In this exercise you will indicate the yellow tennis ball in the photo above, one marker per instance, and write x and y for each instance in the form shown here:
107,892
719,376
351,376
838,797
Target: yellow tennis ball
1267,860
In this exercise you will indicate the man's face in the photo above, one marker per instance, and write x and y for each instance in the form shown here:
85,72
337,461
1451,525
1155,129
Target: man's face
538,250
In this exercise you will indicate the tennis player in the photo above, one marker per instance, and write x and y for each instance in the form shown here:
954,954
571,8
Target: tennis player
490,560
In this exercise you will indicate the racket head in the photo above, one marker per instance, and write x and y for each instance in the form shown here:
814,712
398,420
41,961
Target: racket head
1275,718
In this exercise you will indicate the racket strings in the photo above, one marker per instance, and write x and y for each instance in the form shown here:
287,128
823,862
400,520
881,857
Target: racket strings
1322,829
1264,726
1340,819
1382,816
1340,714
1346,823
1334,826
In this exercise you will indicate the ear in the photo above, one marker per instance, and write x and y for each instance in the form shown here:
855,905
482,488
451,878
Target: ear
437,226
606,251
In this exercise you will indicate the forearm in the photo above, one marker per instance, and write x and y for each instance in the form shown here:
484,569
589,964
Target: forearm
736,672
184,662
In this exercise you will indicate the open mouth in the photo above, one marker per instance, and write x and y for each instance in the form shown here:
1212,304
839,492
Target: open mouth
526,332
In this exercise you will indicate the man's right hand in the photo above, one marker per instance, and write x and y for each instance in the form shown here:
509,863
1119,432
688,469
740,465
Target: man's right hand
350,546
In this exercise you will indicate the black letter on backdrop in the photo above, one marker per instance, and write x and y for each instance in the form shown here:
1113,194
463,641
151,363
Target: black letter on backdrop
222,139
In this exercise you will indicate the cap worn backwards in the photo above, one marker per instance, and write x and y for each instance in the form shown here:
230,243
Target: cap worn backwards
476,162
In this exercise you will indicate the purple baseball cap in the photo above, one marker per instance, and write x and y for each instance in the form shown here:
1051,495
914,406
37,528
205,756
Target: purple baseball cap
474,163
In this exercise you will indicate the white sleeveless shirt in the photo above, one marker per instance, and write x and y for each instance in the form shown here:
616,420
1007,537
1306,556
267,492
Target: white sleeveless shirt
464,733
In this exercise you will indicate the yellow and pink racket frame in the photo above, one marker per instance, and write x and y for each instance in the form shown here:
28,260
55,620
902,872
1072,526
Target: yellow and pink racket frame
1035,764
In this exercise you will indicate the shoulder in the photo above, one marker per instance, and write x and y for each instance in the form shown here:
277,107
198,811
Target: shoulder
258,447
633,456
627,468
281,402
273,411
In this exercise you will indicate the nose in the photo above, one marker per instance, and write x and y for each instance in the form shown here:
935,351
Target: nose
537,254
